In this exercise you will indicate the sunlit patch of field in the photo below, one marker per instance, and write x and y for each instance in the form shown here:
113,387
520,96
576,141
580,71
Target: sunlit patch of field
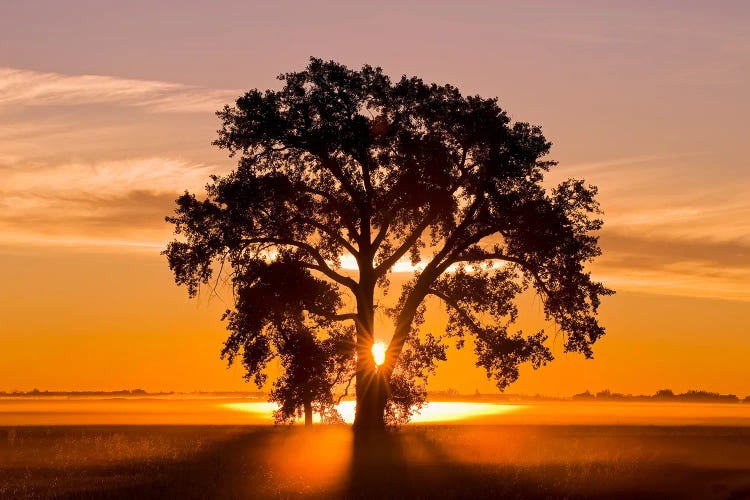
427,461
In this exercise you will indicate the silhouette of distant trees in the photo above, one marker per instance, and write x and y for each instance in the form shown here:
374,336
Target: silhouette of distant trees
660,395
664,394
347,164
123,392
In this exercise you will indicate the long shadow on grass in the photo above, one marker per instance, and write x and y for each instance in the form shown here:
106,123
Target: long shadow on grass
415,464
378,467
229,469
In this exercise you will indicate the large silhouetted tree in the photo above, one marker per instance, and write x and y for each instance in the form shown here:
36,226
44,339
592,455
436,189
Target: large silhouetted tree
342,162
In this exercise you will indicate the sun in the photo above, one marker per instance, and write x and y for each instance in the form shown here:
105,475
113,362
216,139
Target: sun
378,352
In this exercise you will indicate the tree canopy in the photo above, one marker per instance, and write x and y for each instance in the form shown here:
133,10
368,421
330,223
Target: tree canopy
348,164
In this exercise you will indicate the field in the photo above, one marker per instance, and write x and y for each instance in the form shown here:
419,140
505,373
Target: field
418,461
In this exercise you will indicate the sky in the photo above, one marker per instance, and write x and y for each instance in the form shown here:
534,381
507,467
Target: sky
107,115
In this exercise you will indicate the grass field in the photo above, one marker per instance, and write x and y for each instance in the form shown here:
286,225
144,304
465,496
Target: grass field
466,461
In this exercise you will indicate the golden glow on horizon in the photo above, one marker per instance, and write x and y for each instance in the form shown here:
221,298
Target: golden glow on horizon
378,352
201,410
439,411
452,411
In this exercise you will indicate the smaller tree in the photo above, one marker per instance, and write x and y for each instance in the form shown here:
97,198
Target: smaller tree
311,368
273,318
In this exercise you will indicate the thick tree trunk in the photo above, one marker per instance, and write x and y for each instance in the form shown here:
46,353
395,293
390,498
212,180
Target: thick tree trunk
308,414
372,392
372,386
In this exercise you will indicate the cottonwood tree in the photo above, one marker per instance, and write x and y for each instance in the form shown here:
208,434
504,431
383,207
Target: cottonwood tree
342,163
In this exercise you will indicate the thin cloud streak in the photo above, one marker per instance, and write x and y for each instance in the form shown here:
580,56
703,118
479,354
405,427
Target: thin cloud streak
77,243
675,282
32,88
106,178
577,169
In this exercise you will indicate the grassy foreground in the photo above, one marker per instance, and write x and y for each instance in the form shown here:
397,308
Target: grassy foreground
415,462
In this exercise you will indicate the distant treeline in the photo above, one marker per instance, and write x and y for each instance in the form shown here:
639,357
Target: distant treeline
126,393
663,395
605,395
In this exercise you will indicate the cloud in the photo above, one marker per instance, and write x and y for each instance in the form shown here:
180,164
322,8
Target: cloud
111,177
611,164
32,88
644,252
105,202
678,197
75,171
675,266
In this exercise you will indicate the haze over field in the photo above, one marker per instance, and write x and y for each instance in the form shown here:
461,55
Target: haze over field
103,128
192,410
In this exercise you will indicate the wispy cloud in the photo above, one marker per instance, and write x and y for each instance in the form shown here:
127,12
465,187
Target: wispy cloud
107,178
106,202
32,88
609,164
661,264
684,280
87,176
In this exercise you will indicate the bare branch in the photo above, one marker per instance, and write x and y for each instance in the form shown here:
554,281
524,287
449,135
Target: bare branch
346,389
332,316
387,218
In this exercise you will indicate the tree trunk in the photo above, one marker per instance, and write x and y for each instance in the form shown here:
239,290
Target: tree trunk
308,414
372,392
372,386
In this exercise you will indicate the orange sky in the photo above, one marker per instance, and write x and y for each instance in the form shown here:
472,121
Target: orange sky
106,114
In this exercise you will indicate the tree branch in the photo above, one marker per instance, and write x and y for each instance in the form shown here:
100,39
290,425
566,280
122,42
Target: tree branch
346,389
332,316
484,256
345,218
383,230
456,306
407,243
328,272
333,234
334,168
322,265
440,262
